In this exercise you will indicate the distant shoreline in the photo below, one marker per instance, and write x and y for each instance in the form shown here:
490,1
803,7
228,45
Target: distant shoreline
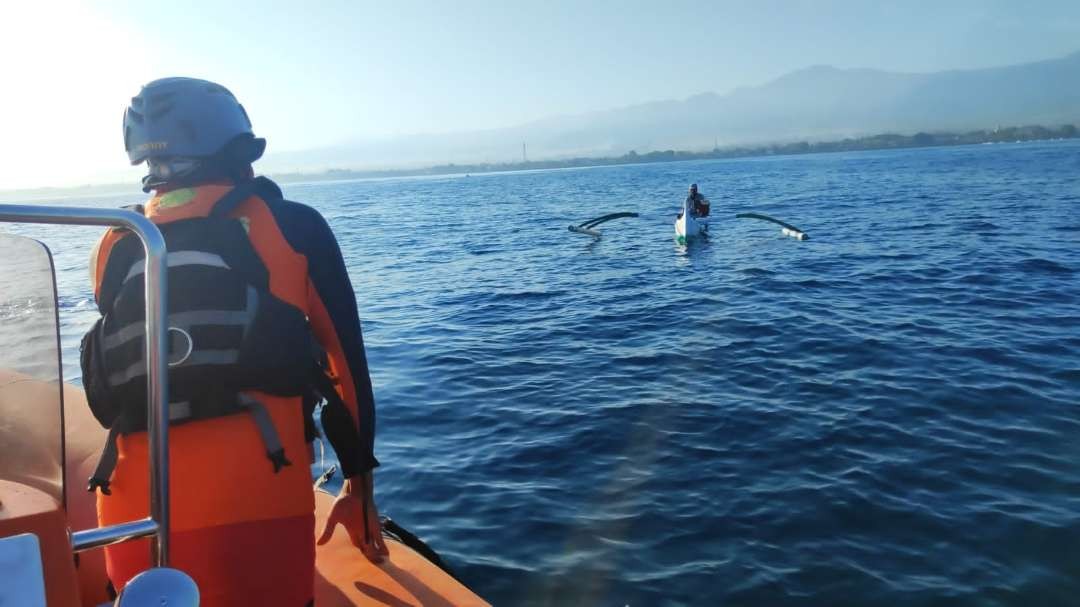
885,141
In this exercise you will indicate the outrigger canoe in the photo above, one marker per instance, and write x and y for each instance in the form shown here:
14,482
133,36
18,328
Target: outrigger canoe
689,227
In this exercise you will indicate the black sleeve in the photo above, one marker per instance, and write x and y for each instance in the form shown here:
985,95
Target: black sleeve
309,234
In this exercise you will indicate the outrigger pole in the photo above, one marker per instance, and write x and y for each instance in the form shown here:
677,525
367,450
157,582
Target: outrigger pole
787,228
587,226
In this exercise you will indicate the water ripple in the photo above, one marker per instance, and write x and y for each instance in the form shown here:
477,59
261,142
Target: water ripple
884,414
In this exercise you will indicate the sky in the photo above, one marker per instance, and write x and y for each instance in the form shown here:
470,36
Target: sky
318,73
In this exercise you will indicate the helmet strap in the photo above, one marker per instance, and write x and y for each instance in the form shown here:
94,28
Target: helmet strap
233,163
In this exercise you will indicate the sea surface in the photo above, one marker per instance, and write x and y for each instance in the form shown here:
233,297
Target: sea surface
885,414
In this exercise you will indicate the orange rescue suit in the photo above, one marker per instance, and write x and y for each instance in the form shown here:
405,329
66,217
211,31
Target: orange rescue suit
242,531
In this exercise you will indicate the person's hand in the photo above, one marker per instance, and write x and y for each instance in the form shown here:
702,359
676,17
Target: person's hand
355,509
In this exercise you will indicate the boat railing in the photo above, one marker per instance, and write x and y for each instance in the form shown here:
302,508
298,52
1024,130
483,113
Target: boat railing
157,525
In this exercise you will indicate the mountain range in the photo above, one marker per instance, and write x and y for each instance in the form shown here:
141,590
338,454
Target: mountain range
815,103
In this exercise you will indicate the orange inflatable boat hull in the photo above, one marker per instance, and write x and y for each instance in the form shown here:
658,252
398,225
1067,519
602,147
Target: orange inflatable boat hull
343,577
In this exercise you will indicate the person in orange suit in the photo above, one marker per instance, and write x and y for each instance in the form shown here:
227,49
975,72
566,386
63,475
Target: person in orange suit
242,526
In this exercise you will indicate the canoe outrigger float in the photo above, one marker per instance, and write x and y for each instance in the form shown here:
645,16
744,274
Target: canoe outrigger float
50,441
689,227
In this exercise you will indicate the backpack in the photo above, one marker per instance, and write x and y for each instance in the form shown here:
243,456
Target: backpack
227,334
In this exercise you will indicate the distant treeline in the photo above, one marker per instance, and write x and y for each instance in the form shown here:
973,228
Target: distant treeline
886,141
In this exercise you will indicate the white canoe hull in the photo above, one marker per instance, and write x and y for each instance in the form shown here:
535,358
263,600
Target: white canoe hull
688,228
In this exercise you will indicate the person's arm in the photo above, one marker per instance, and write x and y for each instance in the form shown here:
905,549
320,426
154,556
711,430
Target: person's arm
335,322
355,510
351,432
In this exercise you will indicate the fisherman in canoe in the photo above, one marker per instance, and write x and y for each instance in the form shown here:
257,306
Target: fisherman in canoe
692,220
262,317
696,202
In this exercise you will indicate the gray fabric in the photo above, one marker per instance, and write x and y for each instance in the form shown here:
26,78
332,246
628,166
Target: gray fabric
181,258
263,422
179,411
185,320
200,357
251,310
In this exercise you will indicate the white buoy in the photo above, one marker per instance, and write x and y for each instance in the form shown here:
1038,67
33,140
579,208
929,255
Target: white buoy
797,235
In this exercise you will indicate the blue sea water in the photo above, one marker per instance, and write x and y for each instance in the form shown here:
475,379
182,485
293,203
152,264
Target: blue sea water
885,414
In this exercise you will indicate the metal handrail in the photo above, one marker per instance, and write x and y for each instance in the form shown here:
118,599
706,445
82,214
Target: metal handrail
157,368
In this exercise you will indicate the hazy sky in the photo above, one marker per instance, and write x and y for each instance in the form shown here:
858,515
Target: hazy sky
313,73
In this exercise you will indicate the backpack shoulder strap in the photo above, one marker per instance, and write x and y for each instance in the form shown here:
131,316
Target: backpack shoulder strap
232,199
261,186
267,189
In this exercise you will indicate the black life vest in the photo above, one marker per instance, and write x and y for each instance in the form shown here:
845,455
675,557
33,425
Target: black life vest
227,334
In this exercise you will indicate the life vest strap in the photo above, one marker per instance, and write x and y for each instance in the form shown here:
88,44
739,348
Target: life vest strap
275,451
181,411
106,463
234,198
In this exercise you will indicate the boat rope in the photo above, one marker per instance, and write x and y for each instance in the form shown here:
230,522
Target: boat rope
403,535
